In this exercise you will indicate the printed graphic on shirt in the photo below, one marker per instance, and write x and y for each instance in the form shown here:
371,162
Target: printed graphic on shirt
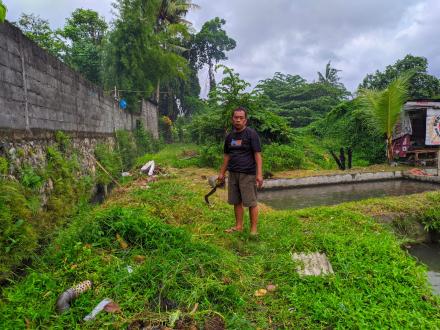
235,143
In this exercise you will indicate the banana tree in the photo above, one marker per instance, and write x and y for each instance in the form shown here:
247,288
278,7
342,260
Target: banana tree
385,107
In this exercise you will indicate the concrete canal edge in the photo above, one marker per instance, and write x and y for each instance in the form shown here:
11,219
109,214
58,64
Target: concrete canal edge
427,178
331,179
339,179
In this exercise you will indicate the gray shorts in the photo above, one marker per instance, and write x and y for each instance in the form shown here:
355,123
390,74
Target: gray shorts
242,188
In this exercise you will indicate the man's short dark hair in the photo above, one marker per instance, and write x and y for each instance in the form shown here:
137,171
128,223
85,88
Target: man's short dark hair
240,109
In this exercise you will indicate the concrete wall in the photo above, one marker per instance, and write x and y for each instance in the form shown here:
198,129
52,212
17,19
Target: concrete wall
40,93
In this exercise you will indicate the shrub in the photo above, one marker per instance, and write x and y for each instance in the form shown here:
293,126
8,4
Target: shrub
144,140
29,178
347,125
281,157
17,238
63,141
127,148
4,166
431,219
110,160
211,155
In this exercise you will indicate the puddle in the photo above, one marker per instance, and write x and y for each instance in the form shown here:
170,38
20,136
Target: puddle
429,254
298,198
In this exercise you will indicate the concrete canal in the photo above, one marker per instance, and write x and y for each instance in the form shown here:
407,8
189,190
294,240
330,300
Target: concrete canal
302,197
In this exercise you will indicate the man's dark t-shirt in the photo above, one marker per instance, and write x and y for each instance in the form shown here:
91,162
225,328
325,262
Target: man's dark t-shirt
241,146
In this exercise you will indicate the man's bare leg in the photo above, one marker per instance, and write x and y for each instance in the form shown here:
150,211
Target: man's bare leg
239,212
253,214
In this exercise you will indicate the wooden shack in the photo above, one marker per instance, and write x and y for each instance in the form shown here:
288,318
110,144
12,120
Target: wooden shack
416,136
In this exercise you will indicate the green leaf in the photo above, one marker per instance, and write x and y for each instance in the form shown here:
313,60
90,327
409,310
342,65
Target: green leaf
3,11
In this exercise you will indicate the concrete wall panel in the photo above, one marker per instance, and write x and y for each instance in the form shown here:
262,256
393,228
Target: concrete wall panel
57,97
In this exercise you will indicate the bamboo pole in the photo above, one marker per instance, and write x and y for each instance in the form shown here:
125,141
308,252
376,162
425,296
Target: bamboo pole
106,172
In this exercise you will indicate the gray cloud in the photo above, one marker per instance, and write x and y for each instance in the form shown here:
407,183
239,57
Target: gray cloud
56,11
299,36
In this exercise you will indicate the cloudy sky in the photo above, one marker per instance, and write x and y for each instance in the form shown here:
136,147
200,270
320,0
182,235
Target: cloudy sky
299,36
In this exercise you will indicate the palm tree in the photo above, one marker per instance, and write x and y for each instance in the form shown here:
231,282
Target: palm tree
330,76
385,107
173,12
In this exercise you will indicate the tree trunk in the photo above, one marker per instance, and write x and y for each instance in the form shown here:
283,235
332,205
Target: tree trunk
342,158
158,91
390,155
170,113
211,76
350,155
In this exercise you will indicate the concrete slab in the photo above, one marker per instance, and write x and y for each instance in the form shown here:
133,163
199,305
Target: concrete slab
312,264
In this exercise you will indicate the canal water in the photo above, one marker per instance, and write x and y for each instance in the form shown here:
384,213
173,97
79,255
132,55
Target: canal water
298,198
429,254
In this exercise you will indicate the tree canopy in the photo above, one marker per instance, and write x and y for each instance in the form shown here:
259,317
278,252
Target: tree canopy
421,85
230,93
299,101
211,45
39,30
138,55
85,31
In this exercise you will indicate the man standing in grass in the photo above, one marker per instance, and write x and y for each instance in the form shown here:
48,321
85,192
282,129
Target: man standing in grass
242,158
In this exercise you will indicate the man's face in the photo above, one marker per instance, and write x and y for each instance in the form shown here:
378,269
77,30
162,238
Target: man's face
239,120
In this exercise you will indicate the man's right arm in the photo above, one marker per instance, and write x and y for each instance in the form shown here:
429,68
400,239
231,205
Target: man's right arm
221,176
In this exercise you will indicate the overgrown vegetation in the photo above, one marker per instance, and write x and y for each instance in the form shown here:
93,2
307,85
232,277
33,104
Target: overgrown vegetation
38,203
431,219
43,198
180,257
348,125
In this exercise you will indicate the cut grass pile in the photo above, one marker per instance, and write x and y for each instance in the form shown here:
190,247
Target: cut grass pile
181,257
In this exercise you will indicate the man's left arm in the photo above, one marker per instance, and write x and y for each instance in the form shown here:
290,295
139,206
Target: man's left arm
259,163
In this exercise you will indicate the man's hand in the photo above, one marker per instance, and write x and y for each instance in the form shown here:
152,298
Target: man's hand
259,180
221,177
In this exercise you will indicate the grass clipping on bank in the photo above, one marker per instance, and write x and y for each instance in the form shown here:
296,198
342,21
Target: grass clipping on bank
180,257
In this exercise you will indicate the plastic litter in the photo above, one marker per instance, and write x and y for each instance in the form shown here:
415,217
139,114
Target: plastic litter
97,309
149,166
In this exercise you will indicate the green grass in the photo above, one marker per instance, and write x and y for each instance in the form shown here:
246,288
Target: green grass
174,155
189,260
